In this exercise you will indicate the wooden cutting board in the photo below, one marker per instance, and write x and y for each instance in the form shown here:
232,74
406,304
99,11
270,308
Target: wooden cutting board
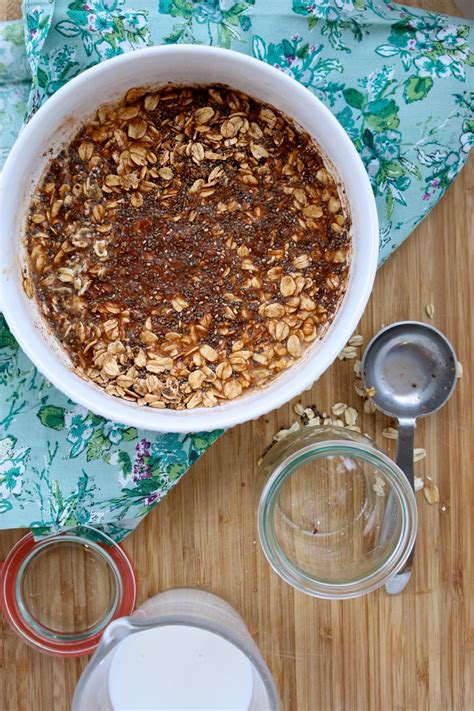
407,653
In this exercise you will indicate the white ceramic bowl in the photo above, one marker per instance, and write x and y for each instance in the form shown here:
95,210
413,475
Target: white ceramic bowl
60,118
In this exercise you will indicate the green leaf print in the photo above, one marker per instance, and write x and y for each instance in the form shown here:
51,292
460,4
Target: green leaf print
175,35
202,440
51,416
125,463
393,169
6,338
354,98
42,78
177,8
411,167
416,88
175,471
382,114
129,434
96,446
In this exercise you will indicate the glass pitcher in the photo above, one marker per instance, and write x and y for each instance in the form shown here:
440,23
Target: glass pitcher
125,673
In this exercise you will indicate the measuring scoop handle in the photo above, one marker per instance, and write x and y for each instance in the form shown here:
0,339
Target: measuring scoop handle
406,443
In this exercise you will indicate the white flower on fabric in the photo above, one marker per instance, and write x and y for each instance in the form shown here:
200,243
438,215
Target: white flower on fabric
70,415
439,67
133,21
424,40
105,50
467,141
449,37
113,431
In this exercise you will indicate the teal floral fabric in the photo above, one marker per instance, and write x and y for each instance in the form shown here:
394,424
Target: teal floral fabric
399,80
15,84
62,466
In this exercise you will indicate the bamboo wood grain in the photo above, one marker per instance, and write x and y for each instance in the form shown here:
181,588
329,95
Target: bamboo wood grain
408,653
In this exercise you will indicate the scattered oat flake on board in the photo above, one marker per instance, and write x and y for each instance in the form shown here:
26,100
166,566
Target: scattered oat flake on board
369,407
295,426
298,409
347,353
460,369
430,310
358,368
379,486
370,392
418,483
418,454
284,432
431,492
350,416
390,433
339,408
356,340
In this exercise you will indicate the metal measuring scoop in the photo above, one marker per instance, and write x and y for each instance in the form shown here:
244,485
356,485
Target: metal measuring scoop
412,370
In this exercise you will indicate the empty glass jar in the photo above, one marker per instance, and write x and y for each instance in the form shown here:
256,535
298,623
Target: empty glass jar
336,517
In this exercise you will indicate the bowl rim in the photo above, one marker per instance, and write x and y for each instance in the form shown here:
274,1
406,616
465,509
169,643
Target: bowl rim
241,409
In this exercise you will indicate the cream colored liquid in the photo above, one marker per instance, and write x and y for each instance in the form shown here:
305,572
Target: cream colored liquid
179,668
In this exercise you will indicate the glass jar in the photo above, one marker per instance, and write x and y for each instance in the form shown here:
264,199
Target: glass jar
59,593
336,517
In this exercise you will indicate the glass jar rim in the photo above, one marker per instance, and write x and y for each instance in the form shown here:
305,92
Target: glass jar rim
37,635
390,472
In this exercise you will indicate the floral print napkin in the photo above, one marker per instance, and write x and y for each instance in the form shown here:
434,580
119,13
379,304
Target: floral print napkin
399,80
15,84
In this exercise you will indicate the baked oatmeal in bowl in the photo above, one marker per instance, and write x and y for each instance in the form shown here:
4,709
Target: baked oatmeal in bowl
192,251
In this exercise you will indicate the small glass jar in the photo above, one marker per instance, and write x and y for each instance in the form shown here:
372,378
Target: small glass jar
59,593
336,517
